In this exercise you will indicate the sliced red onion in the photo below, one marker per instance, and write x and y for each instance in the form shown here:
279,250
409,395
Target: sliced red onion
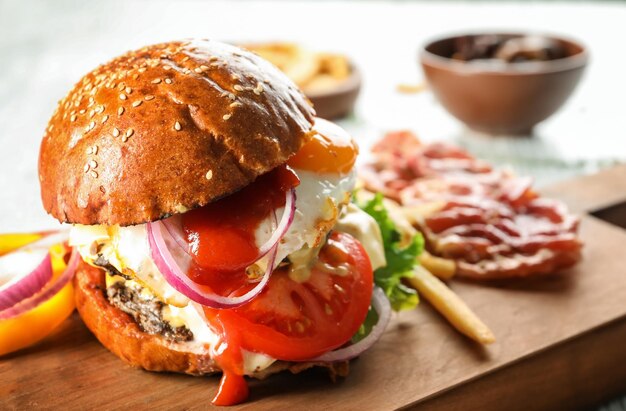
47,292
174,227
173,263
383,308
25,285
283,225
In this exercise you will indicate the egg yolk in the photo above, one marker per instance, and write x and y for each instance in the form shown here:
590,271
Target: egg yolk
331,150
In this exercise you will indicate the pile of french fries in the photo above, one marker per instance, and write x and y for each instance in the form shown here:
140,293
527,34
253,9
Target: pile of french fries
430,274
313,72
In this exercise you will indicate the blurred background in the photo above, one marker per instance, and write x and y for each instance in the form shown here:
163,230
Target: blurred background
46,46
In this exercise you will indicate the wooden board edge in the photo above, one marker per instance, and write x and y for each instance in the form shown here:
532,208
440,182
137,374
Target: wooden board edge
575,375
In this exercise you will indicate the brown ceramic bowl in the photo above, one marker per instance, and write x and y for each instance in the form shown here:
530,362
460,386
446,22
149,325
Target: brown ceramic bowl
507,98
338,101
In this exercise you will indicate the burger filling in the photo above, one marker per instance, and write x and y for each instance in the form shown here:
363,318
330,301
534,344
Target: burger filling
211,286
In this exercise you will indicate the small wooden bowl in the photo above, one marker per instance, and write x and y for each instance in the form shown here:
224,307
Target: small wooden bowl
508,99
339,101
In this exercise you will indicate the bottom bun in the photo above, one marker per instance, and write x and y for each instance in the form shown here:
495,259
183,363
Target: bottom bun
119,332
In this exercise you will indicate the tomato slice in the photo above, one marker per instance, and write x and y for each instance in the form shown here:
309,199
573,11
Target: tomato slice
296,321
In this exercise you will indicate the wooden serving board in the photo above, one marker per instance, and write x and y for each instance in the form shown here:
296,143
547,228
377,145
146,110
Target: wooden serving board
561,344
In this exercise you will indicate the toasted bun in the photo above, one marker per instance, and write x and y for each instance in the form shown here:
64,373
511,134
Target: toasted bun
119,332
167,128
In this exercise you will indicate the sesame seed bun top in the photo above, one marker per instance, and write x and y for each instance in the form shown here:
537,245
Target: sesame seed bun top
167,128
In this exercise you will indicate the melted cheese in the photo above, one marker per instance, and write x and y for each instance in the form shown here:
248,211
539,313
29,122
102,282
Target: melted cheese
364,228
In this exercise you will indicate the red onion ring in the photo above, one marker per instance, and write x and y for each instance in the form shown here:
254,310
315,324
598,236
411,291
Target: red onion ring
383,308
167,256
174,228
47,292
26,286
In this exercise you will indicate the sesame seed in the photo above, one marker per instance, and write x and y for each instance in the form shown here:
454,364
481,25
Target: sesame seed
129,90
135,76
185,59
129,132
149,97
94,174
86,168
89,150
122,96
167,68
231,96
238,87
214,64
186,71
105,118
213,58
120,111
124,139
92,113
226,116
235,104
116,132
93,164
95,150
141,69
156,81
92,125
198,70
236,77
209,174
258,89
168,80
83,111
203,67
137,103
177,126
73,118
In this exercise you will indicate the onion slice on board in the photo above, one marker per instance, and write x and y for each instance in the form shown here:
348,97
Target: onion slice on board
383,308
24,279
173,225
173,262
47,291
24,285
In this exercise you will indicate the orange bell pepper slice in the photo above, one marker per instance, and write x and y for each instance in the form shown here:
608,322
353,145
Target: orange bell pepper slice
34,325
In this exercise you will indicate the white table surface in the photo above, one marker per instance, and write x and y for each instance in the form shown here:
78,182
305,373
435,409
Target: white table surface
46,46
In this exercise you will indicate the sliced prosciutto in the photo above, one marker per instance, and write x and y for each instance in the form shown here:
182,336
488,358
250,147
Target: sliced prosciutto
490,221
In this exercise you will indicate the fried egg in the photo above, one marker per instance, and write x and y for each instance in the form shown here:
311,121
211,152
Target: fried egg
325,168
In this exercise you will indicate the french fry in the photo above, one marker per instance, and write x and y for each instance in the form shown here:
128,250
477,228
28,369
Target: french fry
441,268
411,88
450,306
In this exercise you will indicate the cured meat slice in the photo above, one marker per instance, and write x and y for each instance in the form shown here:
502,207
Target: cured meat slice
490,221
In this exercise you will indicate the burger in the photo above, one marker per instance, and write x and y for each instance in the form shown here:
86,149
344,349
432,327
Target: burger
211,211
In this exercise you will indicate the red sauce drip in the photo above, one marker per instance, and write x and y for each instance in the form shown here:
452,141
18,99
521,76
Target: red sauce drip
233,390
221,235
227,353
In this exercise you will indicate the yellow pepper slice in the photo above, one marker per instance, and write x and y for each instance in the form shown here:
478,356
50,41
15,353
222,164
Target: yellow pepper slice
10,242
34,325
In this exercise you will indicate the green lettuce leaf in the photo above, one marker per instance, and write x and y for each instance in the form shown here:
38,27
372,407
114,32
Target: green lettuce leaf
400,258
